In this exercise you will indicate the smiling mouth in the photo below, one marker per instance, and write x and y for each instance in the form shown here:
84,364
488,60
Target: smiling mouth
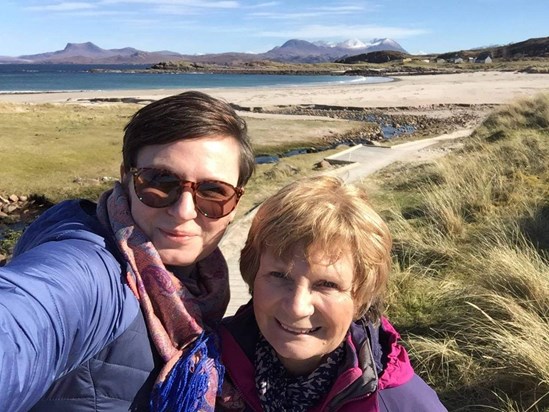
297,331
177,235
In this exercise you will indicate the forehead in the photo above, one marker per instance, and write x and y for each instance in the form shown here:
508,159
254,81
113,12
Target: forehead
313,262
210,157
284,248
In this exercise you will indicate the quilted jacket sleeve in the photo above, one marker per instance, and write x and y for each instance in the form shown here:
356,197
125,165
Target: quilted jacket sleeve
60,303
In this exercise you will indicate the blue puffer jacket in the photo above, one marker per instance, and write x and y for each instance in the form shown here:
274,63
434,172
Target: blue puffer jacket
72,336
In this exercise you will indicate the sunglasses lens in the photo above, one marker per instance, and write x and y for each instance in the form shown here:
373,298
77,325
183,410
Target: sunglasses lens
157,188
215,199
160,188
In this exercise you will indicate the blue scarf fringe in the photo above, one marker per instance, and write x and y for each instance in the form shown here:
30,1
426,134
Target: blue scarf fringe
185,387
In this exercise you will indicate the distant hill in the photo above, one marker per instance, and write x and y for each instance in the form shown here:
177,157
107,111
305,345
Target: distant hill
89,53
296,51
292,51
528,49
531,48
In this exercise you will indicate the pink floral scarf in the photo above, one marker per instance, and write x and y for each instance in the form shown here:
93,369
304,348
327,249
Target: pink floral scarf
176,314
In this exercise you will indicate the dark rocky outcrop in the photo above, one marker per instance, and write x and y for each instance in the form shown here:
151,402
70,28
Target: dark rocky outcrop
374,57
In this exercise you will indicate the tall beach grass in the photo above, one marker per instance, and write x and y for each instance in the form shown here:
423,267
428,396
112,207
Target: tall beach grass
470,290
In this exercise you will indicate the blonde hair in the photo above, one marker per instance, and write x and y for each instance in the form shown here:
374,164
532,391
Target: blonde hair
323,214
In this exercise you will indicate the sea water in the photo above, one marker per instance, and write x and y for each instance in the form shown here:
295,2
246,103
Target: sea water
36,78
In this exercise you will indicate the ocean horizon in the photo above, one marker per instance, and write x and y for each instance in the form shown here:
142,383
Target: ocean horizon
50,78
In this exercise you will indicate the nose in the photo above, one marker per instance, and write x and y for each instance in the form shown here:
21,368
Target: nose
300,302
184,208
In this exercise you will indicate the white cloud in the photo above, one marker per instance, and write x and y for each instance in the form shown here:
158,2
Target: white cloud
317,11
289,16
344,31
223,4
336,9
263,5
62,7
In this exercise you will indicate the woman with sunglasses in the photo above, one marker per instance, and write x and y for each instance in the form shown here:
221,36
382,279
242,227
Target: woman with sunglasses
313,337
100,302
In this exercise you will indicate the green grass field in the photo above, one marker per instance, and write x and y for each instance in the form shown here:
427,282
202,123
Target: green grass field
63,151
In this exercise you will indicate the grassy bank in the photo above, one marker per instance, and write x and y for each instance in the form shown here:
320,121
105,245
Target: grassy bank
470,292
65,151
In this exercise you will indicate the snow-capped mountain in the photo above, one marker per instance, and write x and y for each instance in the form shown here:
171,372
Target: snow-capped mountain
352,44
301,51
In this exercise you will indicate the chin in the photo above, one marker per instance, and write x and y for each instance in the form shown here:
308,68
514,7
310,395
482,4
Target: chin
294,352
177,258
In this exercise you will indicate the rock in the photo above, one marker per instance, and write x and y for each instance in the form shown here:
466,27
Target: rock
14,198
23,198
4,200
342,146
3,214
323,164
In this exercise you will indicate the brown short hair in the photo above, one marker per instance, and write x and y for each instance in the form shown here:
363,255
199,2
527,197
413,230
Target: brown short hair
189,115
323,213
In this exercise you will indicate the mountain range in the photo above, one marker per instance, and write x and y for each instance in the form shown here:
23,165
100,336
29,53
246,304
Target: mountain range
295,51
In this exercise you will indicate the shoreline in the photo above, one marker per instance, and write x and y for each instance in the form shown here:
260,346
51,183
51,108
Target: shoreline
405,91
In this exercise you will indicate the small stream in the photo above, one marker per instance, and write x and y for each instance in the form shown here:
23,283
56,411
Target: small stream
388,132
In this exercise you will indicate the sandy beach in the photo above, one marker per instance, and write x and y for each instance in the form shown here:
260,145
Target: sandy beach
404,91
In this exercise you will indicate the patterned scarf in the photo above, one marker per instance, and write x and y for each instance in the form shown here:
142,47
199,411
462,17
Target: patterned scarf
281,392
179,316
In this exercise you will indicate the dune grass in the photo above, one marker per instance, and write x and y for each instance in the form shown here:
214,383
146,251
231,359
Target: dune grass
470,289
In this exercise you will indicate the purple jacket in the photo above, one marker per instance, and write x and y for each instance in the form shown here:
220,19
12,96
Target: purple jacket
377,374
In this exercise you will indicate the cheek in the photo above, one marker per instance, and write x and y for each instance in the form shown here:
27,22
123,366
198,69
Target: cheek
142,215
341,316
263,299
212,229
259,297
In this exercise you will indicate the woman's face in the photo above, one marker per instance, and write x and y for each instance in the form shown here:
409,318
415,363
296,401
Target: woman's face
181,235
304,310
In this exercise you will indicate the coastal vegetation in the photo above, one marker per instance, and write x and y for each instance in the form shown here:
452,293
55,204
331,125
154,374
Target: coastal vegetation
470,289
470,286
386,65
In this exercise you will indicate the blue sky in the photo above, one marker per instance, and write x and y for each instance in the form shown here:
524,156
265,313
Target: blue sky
213,26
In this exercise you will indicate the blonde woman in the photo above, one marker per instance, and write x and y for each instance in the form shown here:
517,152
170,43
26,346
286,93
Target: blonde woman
313,337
